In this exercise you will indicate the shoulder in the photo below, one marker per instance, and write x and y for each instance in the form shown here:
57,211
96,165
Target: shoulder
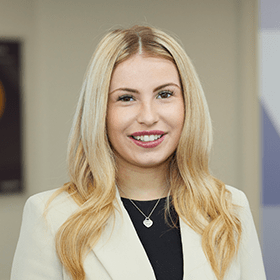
54,206
249,255
238,197
41,197
35,256
54,197
50,199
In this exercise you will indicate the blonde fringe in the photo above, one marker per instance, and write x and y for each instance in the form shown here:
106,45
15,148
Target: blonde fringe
202,201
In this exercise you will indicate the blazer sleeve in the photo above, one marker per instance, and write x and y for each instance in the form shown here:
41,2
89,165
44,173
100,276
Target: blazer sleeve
251,261
35,256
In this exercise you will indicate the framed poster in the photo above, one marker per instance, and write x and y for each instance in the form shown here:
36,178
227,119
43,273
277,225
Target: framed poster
10,118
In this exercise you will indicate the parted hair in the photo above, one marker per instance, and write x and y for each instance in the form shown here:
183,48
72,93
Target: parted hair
201,201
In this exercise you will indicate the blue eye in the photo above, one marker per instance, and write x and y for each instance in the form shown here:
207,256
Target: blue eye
126,98
164,94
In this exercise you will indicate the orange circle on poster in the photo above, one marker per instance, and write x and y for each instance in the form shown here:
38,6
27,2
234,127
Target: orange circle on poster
2,99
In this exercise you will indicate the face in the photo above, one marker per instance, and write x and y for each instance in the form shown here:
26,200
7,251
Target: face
145,111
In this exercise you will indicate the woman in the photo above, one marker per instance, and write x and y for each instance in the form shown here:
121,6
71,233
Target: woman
141,203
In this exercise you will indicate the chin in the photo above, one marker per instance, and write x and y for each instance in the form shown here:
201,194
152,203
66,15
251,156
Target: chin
152,163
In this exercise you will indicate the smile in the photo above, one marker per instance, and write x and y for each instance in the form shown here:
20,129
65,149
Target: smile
147,138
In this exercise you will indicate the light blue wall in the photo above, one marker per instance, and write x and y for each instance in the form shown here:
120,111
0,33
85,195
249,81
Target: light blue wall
270,104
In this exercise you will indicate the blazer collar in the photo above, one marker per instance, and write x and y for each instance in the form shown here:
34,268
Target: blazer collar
123,256
196,265
120,250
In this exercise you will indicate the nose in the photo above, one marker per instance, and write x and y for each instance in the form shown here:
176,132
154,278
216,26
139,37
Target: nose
147,114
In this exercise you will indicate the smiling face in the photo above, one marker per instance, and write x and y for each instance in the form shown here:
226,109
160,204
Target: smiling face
145,111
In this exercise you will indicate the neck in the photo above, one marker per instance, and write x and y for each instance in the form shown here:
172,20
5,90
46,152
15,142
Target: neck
142,183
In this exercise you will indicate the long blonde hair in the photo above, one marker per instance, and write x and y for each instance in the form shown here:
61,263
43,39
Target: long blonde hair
200,200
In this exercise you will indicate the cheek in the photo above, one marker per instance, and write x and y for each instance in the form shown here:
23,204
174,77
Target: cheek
181,117
178,121
177,116
112,131
110,122
117,121
181,111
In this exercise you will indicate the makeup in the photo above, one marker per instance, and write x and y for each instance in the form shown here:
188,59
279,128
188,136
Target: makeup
148,139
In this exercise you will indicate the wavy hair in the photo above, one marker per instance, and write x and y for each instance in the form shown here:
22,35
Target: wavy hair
202,201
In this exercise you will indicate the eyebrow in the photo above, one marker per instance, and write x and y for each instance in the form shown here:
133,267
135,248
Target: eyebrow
136,91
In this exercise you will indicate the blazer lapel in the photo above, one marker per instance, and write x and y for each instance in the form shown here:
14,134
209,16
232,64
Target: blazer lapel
120,251
196,266
122,254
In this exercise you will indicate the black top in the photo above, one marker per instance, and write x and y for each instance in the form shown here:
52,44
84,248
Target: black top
162,242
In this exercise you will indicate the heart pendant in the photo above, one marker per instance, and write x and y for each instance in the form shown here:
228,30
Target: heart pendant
148,222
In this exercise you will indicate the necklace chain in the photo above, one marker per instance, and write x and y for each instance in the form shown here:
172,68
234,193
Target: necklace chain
147,221
141,210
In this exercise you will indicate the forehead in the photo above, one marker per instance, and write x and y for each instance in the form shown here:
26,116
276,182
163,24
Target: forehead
140,70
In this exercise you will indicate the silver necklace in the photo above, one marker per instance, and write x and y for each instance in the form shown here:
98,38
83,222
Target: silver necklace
147,221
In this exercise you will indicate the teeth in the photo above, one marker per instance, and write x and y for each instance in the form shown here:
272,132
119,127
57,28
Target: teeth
147,138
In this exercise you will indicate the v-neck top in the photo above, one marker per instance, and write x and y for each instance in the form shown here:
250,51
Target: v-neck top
161,241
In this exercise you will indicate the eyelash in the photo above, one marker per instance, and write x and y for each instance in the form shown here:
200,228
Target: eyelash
165,92
123,97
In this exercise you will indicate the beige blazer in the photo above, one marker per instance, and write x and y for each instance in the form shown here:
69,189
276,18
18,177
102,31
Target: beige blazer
119,254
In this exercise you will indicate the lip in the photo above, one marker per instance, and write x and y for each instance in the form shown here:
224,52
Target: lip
148,132
151,144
